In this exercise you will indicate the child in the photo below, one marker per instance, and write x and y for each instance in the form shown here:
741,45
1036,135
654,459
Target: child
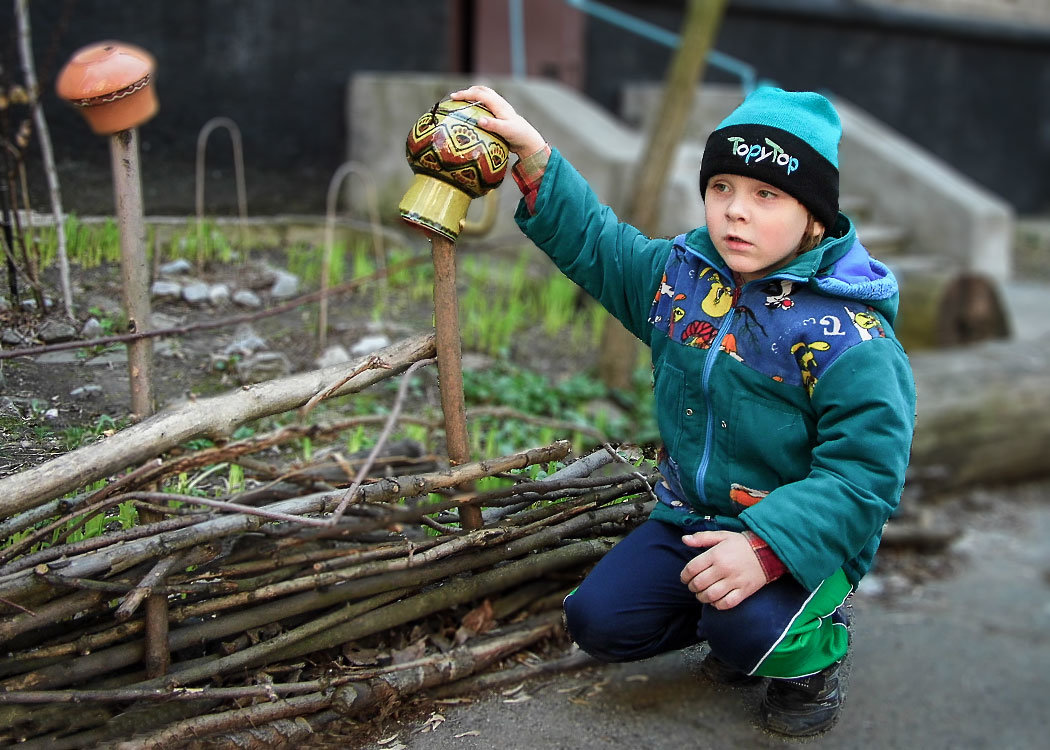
784,401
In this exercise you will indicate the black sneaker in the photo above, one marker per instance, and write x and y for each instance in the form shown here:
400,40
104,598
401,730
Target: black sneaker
803,706
717,671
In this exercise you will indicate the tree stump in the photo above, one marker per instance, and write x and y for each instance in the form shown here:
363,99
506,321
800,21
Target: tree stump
942,308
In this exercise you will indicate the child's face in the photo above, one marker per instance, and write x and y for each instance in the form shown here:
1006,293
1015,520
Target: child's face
756,227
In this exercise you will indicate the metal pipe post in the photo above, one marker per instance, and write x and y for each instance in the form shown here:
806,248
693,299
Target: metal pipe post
127,186
450,363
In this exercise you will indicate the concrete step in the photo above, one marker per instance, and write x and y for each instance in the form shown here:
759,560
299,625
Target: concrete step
882,240
856,207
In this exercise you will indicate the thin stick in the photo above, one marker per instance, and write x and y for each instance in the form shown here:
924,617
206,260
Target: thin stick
388,428
369,364
25,40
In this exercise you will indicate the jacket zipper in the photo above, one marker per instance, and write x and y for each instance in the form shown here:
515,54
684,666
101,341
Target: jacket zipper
709,363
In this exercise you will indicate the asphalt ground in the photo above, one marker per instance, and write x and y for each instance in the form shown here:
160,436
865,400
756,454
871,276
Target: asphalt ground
959,662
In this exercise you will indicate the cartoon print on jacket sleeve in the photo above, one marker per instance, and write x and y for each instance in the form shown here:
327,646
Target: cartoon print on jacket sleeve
778,294
664,290
677,313
719,299
699,333
729,347
745,496
807,361
865,322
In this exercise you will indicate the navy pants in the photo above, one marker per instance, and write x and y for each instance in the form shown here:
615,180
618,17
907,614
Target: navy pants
633,605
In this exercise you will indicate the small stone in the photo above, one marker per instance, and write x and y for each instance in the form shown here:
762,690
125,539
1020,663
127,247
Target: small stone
8,408
245,341
86,391
11,337
54,331
246,298
285,285
51,413
263,366
175,267
166,289
92,329
196,292
160,320
333,355
219,294
369,344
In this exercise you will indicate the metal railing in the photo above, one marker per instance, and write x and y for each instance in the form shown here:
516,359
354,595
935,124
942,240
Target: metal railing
726,63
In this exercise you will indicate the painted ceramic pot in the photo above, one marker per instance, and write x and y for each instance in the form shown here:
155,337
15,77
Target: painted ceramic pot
111,83
454,162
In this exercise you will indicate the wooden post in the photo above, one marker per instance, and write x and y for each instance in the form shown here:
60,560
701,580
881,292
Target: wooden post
619,349
450,363
127,186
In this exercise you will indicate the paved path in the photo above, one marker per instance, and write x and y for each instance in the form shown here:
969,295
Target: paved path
964,663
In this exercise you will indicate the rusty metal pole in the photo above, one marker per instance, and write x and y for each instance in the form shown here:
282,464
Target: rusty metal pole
134,268
450,363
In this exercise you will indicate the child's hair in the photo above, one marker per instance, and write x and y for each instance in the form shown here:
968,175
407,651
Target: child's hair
810,239
789,139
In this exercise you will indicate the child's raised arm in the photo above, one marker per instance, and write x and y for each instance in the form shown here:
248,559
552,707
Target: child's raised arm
523,139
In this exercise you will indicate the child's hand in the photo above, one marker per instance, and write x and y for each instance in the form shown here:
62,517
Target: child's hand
727,573
523,139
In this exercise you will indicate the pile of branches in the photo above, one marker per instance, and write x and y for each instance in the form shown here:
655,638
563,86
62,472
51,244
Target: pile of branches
255,619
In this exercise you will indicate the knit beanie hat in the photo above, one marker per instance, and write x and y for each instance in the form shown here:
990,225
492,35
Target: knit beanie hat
789,139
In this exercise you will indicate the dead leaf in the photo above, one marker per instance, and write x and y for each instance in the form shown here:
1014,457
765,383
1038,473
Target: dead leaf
480,619
471,733
520,699
361,657
409,653
432,723
512,690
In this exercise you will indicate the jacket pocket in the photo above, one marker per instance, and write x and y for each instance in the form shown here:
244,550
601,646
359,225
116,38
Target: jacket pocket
669,387
770,444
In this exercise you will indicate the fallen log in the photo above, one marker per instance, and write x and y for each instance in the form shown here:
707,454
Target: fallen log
942,308
215,417
983,415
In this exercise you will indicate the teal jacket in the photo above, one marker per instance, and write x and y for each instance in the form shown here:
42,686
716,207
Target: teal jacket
786,405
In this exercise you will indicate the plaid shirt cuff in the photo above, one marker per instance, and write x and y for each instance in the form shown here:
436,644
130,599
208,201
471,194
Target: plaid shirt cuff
528,173
771,564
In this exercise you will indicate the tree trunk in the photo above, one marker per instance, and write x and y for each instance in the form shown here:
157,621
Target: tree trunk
619,349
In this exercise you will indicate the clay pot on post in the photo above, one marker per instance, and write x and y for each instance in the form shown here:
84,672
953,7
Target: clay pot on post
111,83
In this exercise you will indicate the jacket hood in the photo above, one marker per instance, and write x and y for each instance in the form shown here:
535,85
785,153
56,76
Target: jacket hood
840,266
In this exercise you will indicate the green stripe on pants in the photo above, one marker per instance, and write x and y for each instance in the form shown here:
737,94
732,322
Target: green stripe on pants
812,641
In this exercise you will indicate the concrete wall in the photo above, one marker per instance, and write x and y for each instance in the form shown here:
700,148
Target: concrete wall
946,217
971,93
276,67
